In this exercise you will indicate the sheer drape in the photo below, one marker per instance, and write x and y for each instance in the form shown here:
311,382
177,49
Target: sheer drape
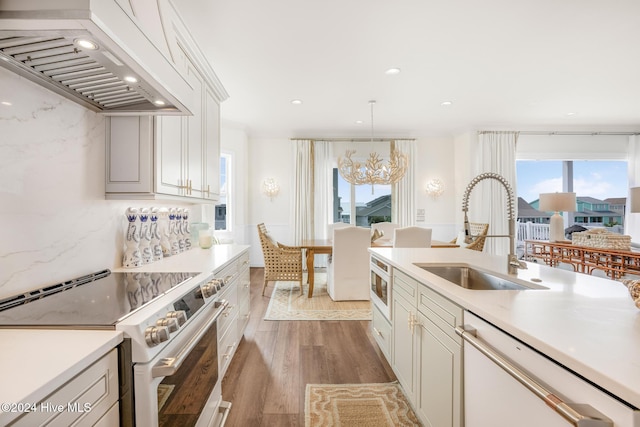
496,153
632,220
303,182
403,192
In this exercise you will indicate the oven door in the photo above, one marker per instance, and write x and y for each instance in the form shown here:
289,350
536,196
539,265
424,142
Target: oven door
380,287
180,386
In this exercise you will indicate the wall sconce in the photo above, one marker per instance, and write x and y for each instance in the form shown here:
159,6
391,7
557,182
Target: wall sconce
434,188
270,187
556,203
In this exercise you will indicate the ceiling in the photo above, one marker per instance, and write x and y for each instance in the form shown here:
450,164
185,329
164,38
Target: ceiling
548,65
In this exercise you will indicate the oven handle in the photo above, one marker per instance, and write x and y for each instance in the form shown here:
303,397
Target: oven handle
169,365
577,414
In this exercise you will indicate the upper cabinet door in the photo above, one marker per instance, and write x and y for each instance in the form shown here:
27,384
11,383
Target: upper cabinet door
169,170
211,145
195,136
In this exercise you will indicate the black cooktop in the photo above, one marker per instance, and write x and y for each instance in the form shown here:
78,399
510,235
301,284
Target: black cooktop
98,300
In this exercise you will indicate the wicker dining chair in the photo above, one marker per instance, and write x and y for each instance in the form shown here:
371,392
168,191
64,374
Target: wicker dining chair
477,229
281,262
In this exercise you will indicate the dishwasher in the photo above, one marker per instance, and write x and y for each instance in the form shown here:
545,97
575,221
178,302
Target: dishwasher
506,384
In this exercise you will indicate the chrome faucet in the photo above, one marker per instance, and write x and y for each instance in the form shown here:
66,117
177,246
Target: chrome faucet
513,264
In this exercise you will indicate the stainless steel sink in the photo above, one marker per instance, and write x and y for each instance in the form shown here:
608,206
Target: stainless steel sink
470,278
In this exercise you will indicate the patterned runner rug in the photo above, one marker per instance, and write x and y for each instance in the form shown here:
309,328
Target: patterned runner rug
287,304
357,405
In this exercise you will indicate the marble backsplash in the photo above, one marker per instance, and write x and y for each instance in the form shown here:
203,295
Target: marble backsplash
56,223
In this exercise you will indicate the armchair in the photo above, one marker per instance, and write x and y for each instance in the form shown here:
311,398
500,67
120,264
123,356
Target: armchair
281,262
348,270
477,229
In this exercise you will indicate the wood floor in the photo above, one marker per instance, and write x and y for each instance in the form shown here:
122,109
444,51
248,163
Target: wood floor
275,361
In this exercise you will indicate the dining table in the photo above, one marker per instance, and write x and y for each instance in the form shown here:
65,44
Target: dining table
325,247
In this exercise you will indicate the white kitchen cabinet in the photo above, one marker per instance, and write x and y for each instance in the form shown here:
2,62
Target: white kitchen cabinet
426,352
233,321
171,156
381,329
88,399
244,298
404,340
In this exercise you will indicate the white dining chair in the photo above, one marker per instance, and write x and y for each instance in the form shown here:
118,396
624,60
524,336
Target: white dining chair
412,237
334,226
348,269
386,228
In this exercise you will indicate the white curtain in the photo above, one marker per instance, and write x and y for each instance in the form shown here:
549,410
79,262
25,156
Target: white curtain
632,220
403,192
303,203
496,153
323,195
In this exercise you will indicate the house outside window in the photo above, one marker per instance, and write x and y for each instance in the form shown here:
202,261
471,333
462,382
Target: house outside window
369,208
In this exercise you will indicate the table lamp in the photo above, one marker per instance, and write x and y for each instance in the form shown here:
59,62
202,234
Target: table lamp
556,203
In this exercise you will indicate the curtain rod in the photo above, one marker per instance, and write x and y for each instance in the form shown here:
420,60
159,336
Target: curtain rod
353,139
551,133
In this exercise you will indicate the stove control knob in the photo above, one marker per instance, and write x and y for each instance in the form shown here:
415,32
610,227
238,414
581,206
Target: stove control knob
179,315
170,322
155,335
210,288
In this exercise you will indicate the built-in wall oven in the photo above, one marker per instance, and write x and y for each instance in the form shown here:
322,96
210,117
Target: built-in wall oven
169,363
381,276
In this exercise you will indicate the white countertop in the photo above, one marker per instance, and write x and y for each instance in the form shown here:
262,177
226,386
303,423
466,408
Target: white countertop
589,324
193,260
34,363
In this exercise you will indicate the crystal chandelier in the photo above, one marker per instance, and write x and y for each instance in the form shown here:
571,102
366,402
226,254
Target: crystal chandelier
373,171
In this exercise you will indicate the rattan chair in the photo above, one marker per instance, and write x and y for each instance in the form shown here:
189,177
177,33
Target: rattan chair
477,229
281,262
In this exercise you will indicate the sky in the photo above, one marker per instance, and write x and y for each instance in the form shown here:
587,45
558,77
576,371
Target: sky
598,179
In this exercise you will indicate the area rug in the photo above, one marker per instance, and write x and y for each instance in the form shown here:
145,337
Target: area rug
357,405
164,391
287,303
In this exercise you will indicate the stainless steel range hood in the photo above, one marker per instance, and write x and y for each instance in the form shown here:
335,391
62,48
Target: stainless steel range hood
94,53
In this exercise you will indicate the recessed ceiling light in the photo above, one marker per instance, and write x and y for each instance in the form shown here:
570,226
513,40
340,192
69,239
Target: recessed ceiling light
392,71
87,44
571,114
296,101
446,103
130,79
359,122
7,103
159,102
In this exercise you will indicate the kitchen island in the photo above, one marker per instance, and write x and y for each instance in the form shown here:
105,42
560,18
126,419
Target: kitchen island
588,324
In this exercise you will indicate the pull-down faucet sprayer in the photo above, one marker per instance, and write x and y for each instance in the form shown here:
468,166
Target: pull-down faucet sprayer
513,263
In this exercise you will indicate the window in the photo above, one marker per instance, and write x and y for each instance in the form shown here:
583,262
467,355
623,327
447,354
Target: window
600,188
369,208
222,209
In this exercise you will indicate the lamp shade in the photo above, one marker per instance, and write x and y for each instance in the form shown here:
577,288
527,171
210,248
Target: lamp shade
634,196
558,202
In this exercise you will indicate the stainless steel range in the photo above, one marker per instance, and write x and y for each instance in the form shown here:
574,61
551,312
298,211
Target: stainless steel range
169,323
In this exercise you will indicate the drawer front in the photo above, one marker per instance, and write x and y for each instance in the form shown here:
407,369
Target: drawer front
83,400
404,285
444,313
231,312
381,330
227,346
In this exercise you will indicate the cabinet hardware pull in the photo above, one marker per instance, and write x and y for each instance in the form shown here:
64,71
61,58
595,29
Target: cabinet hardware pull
577,414
378,333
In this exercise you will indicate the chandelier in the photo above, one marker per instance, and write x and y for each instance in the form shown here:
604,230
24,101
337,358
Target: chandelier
373,171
